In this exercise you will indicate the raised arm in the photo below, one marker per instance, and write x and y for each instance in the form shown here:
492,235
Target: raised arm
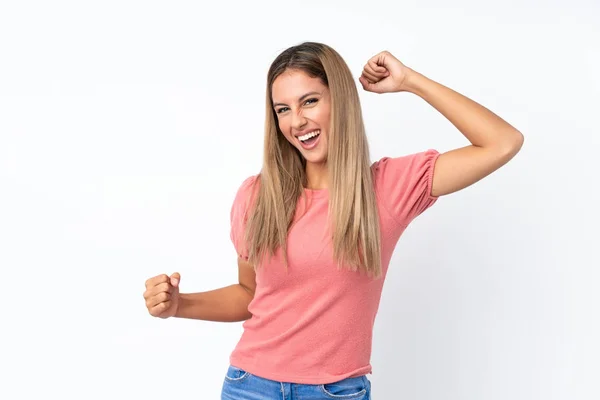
493,141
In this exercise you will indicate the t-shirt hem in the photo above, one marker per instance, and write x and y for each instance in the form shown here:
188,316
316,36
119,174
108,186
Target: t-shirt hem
302,379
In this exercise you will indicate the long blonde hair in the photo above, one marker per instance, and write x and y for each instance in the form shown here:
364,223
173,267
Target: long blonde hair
353,214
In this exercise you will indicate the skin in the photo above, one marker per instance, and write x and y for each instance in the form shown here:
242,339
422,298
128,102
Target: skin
494,142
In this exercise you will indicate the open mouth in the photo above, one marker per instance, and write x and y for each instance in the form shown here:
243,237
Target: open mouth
310,140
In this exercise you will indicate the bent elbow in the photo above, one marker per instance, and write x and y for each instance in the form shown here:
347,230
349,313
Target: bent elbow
519,141
512,145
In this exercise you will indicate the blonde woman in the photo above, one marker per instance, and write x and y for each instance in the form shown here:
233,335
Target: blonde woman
315,229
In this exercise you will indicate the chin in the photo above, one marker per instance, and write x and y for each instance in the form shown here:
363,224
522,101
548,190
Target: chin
316,159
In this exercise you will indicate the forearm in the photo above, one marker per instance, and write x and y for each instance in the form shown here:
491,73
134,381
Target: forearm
227,304
479,125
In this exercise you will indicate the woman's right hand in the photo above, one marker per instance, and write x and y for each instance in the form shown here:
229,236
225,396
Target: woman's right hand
162,295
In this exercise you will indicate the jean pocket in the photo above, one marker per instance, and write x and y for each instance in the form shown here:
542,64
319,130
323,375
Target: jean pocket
235,374
349,388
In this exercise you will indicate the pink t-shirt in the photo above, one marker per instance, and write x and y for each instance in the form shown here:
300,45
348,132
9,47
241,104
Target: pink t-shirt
314,324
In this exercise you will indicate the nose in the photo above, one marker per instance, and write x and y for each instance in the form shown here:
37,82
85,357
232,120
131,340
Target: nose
298,120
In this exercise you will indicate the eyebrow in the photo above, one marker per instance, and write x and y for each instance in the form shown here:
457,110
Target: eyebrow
299,99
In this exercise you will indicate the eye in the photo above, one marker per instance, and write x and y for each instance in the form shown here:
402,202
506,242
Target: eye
309,101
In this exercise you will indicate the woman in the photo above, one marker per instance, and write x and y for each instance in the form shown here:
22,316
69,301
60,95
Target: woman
315,230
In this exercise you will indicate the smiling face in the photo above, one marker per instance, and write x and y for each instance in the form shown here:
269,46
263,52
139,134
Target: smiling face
302,105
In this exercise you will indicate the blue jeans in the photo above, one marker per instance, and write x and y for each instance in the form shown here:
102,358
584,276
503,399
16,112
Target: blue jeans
241,385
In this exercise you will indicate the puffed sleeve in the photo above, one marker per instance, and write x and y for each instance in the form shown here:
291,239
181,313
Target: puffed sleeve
404,184
239,216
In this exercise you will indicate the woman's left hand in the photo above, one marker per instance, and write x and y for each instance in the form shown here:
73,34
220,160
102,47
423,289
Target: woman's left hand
384,73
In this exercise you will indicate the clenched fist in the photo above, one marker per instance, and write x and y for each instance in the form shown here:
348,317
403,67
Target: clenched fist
162,295
384,73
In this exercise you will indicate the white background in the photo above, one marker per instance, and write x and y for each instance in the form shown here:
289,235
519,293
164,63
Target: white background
127,127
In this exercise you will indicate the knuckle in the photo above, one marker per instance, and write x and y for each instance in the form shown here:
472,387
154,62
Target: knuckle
164,287
155,280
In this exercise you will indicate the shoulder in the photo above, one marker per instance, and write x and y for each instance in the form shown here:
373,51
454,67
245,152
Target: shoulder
404,183
406,161
248,183
245,190
239,213
405,167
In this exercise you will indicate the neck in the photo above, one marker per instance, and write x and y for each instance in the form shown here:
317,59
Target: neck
316,175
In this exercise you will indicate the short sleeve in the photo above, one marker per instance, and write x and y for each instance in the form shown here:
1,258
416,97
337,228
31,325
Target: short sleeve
239,216
404,184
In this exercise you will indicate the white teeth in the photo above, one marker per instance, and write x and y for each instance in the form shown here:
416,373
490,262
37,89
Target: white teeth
309,135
